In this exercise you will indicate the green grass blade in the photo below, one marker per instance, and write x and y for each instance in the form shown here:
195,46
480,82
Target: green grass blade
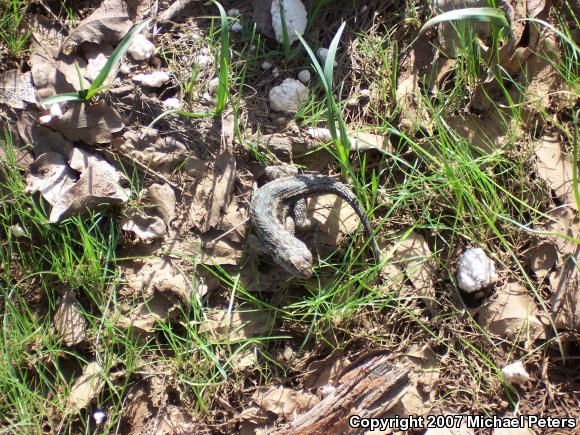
115,58
285,37
489,15
224,62
315,62
62,98
570,42
329,63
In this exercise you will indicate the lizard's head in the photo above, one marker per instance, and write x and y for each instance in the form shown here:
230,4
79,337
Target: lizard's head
297,260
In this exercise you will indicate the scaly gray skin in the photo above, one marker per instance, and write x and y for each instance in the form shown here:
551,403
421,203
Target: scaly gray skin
269,208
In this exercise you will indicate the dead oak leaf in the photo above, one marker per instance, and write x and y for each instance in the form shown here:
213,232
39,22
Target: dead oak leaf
542,259
110,22
512,314
555,168
284,402
42,138
161,198
69,320
325,371
236,325
85,388
89,123
16,89
143,226
565,284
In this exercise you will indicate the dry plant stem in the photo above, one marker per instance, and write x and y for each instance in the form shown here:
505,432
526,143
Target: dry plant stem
61,23
176,9
369,387
146,169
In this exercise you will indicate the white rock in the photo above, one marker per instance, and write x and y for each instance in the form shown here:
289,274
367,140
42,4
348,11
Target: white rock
296,19
141,48
55,111
233,12
266,65
213,85
275,73
99,416
125,69
236,27
172,103
17,231
304,76
516,373
475,271
153,80
365,93
94,66
289,96
322,54
204,60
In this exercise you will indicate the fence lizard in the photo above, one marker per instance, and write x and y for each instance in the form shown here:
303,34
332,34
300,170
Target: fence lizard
271,207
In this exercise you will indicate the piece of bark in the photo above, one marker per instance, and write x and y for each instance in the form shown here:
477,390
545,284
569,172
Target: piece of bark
369,387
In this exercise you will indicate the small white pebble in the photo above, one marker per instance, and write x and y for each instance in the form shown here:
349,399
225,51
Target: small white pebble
275,73
365,93
352,102
253,48
304,76
45,119
322,55
233,12
213,85
125,69
17,231
55,111
236,27
153,80
516,373
141,48
172,103
266,65
99,416
209,98
475,271
95,65
288,96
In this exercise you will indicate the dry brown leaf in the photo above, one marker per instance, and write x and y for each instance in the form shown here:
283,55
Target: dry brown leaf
414,114
162,198
325,371
51,176
43,139
284,402
555,168
220,251
172,421
542,259
145,227
137,412
565,284
146,276
237,325
256,415
512,314
235,222
564,222
414,256
89,123
16,89
246,358
69,320
86,388
337,219
213,194
159,154
486,133
108,23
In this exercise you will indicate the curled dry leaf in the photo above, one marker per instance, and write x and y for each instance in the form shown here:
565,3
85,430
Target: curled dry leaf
336,220
160,308
414,114
137,412
325,371
108,23
86,388
69,320
43,139
219,250
565,284
162,198
512,314
145,227
564,222
237,325
16,89
146,276
55,180
284,402
89,123
213,194
235,223
414,256
173,420
542,259
485,132
160,154
555,168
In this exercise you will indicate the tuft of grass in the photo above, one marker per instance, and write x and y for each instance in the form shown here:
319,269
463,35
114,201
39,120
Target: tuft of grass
97,86
14,38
